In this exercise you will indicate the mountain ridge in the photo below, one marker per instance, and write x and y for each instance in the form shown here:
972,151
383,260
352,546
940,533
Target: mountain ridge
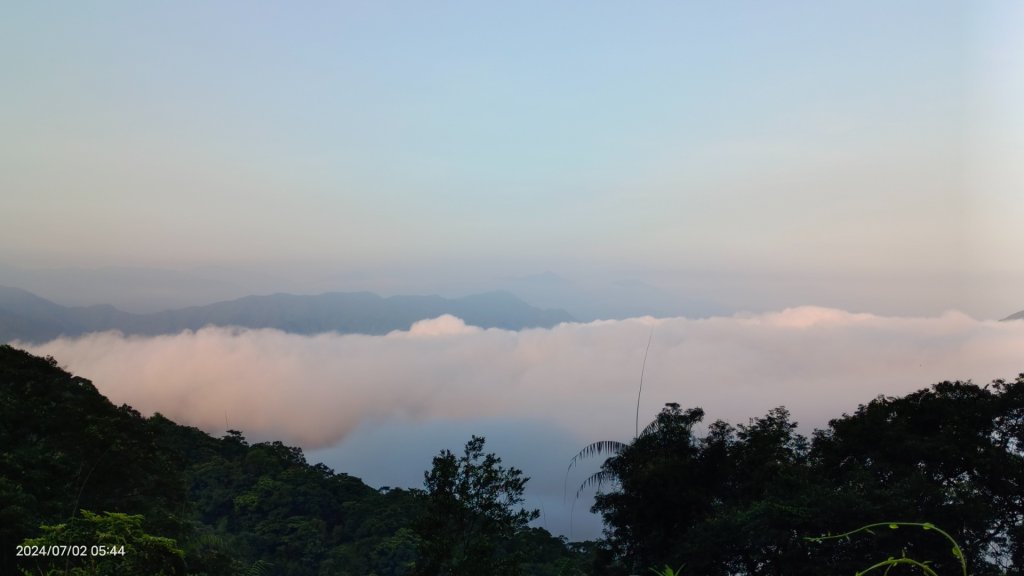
27,317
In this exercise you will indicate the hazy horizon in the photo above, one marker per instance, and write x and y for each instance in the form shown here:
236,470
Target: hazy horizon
592,295
404,148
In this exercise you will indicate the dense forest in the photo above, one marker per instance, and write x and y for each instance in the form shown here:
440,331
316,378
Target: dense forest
145,495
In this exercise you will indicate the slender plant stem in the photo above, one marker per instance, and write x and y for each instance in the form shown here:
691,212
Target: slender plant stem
643,368
957,552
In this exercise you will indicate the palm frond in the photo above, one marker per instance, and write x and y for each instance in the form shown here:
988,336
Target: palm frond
611,447
596,479
596,449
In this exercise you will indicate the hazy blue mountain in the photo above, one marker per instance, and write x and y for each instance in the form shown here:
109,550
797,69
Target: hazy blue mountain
27,317
149,290
1017,316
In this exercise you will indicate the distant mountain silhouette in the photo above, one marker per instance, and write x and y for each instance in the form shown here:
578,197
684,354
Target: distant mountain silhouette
1017,316
29,318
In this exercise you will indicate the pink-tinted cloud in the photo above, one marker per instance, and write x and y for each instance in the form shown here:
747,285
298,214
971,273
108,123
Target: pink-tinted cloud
313,390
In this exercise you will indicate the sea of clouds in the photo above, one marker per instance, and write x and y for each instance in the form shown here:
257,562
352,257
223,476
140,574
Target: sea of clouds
544,392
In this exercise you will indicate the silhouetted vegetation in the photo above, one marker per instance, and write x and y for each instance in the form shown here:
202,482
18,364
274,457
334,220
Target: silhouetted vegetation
473,515
740,500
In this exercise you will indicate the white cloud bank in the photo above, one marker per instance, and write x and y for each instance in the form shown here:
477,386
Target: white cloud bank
313,390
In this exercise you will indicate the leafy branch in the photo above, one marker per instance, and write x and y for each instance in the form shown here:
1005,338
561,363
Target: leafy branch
891,562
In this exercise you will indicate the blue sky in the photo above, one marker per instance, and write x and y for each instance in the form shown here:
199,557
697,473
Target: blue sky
801,138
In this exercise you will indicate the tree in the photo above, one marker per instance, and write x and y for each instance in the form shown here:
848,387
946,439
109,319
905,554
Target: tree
659,489
102,544
949,455
726,503
472,515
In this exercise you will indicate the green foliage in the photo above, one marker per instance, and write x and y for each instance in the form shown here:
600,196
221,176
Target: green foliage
115,544
903,560
233,508
472,515
66,447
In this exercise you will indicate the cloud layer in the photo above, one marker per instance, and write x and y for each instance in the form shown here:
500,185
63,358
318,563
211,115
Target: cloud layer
314,390
380,407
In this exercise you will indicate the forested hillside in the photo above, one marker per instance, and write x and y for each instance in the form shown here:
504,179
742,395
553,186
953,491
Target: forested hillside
731,500
230,507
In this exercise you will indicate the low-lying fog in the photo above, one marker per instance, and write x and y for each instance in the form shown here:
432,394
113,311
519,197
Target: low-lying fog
380,407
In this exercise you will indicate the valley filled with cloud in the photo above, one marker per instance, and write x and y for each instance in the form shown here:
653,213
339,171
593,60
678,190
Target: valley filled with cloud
541,393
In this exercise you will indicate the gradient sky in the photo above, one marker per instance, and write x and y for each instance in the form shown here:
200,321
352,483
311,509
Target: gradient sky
872,141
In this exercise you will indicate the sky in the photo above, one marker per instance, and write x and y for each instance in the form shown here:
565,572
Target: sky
840,180
819,143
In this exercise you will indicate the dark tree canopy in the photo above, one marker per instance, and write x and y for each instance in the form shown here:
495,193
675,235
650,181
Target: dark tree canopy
740,500
473,515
